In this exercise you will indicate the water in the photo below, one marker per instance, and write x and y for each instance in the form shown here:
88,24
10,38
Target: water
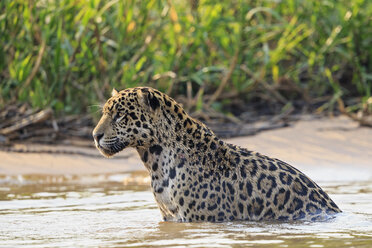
49,211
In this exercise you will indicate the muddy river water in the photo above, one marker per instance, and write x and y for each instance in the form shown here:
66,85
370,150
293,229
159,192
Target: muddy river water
52,211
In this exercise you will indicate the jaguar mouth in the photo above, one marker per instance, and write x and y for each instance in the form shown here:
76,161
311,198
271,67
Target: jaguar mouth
111,149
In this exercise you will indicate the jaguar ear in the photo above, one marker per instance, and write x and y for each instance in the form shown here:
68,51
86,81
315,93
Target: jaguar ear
114,92
149,99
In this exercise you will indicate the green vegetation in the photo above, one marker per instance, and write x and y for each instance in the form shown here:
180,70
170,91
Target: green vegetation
68,54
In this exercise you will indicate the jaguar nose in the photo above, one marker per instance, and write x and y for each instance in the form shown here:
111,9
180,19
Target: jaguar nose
97,137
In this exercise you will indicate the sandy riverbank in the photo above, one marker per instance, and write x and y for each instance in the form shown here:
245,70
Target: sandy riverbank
322,148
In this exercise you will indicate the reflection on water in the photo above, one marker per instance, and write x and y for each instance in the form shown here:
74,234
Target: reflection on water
47,211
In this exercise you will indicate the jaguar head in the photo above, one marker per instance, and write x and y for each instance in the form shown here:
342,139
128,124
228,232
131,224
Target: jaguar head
128,119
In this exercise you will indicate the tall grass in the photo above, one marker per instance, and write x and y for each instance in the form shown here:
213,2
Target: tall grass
68,54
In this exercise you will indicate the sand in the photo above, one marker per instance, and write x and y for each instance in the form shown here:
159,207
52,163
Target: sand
323,148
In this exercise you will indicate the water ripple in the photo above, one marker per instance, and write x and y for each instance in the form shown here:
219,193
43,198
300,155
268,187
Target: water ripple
110,214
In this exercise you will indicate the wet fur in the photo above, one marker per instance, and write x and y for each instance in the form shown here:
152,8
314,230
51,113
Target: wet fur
195,176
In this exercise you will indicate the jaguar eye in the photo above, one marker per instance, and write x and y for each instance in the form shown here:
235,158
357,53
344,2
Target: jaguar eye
116,117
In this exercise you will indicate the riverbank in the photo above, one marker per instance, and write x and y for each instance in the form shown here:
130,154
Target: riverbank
323,148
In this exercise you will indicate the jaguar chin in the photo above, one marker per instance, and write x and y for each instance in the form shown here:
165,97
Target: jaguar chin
110,150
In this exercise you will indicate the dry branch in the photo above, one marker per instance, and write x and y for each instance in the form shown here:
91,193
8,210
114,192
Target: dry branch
38,117
225,80
37,64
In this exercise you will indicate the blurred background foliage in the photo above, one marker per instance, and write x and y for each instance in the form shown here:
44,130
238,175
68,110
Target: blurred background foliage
68,54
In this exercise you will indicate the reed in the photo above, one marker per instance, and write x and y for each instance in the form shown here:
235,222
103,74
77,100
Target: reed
68,54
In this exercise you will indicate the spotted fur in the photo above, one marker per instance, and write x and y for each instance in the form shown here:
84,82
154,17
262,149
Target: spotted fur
195,176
